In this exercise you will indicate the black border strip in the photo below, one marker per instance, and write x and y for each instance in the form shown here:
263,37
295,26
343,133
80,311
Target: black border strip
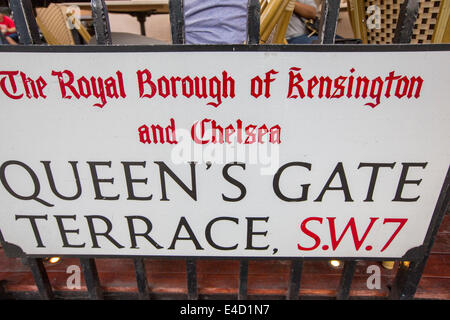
229,48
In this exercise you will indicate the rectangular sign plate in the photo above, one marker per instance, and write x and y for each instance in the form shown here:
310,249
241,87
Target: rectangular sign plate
222,153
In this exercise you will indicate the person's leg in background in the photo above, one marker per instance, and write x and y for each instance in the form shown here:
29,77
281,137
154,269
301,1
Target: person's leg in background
303,39
10,40
13,38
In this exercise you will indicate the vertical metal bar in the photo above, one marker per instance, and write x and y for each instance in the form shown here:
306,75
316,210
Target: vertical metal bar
176,10
91,278
3,294
408,274
26,25
31,20
253,22
346,280
243,280
407,17
40,278
141,278
20,21
328,21
191,271
76,36
406,281
294,280
101,22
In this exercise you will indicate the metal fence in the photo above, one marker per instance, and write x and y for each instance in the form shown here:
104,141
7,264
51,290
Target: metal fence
408,274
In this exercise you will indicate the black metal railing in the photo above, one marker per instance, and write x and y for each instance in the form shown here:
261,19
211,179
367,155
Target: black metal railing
408,274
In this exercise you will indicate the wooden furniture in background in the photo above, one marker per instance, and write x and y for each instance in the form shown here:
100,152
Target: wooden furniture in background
432,24
102,28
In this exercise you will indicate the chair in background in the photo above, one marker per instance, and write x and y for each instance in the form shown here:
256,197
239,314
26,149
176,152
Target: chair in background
103,34
431,24
214,21
3,40
275,17
53,23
